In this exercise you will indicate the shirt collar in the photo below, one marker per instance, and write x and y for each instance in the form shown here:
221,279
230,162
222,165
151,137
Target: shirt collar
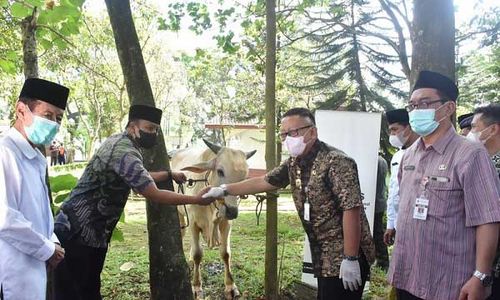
440,145
22,143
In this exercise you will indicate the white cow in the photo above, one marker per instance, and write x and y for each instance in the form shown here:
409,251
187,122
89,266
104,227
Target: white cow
218,165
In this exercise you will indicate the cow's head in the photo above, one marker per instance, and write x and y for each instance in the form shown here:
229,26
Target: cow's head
225,165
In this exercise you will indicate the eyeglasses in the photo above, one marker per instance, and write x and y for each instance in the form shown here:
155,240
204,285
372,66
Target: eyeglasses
293,132
422,105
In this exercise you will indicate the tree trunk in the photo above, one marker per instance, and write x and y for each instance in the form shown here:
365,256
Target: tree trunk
30,56
357,65
168,270
271,269
433,38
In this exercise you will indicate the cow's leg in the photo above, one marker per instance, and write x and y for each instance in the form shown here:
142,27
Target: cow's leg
182,221
196,256
230,291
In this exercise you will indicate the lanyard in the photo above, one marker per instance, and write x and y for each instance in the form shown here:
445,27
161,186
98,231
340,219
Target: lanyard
298,184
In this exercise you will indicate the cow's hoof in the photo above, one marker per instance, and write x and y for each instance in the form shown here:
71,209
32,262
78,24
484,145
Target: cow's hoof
232,294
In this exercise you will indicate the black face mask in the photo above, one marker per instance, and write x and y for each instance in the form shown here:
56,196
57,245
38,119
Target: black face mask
147,140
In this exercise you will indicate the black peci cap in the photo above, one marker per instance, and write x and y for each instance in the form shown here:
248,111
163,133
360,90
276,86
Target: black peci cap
434,80
397,116
145,112
45,91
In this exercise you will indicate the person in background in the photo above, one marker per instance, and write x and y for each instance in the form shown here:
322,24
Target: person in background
485,129
61,154
449,210
379,225
28,245
401,137
53,153
464,122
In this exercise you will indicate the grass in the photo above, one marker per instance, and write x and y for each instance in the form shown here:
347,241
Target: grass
248,252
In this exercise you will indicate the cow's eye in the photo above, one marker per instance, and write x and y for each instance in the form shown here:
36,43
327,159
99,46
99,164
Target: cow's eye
220,173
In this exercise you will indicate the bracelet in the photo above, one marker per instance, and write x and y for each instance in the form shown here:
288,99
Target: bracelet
350,258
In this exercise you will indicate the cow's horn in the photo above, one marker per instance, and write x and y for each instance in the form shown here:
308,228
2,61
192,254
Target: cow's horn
250,154
215,148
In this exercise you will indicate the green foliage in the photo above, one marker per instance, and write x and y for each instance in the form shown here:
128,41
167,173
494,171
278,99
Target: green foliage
201,19
479,78
19,10
61,186
68,167
247,245
55,23
62,183
174,14
345,61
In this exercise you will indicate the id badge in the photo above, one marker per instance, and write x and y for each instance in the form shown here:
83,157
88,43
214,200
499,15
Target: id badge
307,208
421,208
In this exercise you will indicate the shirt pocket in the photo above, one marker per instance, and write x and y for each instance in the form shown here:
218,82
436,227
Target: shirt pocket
444,194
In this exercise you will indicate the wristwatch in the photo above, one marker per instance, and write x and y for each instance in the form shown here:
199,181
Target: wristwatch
224,189
486,280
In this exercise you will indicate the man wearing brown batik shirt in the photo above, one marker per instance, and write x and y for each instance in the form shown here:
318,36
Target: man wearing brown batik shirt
325,187
449,206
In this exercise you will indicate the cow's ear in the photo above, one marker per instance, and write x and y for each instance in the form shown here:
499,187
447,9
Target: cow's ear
200,167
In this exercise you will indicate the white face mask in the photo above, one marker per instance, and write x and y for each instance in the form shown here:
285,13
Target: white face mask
398,140
295,145
476,136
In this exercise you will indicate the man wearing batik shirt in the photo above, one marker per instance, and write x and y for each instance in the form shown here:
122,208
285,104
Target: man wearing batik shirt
449,207
87,219
486,130
325,187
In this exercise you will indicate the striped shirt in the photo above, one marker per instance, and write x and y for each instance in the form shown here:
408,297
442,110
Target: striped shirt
433,258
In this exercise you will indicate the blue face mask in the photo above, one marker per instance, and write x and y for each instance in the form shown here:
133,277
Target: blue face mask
422,121
41,131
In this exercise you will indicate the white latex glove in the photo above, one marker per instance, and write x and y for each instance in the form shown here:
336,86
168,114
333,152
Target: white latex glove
214,192
350,274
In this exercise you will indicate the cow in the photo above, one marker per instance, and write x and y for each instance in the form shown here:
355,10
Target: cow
218,165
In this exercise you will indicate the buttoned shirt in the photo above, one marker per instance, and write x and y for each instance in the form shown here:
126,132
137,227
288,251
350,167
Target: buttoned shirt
96,203
328,179
393,194
434,258
26,223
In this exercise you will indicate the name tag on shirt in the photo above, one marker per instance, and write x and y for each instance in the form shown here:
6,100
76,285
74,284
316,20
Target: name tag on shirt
307,208
421,208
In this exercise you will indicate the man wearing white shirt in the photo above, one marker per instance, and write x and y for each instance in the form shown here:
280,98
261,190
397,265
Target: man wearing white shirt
401,137
27,242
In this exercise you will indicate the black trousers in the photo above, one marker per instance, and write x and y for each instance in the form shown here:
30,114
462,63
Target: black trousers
495,289
404,295
378,237
78,276
332,288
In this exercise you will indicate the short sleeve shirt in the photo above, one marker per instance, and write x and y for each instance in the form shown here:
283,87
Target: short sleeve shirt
328,179
97,202
433,258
